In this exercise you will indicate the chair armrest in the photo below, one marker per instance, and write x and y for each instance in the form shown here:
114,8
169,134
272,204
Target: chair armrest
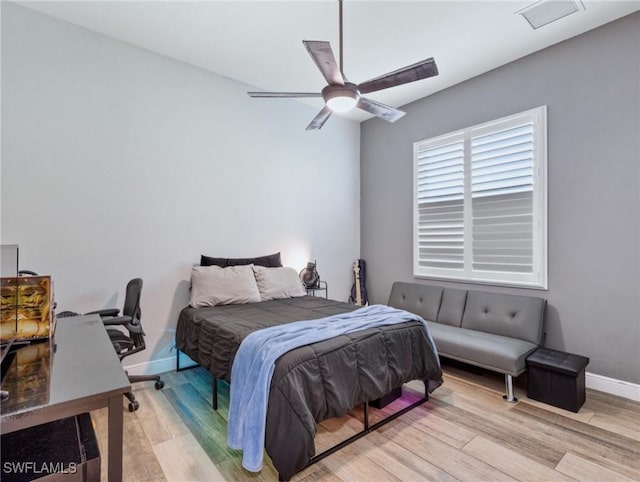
116,320
105,312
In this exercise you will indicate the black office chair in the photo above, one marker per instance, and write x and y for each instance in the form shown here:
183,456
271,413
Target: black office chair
131,342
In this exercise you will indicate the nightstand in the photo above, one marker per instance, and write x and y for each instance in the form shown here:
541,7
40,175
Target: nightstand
322,286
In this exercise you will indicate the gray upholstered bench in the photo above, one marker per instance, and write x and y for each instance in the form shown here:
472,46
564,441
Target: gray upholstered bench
489,330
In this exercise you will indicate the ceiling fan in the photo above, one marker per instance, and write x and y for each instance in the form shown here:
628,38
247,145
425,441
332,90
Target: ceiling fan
340,95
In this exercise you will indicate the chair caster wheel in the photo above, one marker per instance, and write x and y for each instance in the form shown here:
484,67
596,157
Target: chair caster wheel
159,385
133,406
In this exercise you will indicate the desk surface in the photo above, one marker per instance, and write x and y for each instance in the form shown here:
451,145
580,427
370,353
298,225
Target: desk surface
84,370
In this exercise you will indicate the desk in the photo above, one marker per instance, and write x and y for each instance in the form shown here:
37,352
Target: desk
85,375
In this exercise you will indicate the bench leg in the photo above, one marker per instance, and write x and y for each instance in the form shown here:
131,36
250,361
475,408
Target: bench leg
509,397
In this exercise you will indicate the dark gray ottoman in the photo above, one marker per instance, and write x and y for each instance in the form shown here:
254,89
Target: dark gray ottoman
557,378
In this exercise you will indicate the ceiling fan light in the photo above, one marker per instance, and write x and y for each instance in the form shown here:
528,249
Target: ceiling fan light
341,98
341,103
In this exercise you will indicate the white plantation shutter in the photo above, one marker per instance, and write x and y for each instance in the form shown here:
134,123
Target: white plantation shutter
440,196
480,203
503,233
502,197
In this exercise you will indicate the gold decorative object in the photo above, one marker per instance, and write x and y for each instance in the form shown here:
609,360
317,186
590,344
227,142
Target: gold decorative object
27,308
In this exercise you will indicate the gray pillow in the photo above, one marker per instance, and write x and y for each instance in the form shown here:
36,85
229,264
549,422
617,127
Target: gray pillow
278,283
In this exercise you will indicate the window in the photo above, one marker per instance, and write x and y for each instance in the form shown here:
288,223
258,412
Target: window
480,203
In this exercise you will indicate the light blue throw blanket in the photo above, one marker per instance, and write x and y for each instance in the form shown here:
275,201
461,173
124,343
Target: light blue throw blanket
254,365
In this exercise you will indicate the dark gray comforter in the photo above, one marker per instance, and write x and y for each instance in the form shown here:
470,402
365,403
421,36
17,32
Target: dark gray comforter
314,382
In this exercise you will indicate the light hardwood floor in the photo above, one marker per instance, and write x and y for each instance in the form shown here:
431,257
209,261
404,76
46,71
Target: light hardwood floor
464,432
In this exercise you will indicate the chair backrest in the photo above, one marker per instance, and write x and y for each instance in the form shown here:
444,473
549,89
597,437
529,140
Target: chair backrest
132,299
132,308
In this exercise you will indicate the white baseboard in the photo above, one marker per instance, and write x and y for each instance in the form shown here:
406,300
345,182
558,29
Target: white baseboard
596,382
155,367
613,386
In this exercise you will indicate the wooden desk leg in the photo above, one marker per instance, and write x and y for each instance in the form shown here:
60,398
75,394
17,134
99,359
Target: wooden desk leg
114,465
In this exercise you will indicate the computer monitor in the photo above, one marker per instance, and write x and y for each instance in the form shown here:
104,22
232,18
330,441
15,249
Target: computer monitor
9,260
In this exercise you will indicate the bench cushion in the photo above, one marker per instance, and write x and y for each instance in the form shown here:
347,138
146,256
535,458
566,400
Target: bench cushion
508,315
494,352
423,300
452,306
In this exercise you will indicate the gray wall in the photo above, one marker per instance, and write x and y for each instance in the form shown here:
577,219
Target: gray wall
591,85
119,163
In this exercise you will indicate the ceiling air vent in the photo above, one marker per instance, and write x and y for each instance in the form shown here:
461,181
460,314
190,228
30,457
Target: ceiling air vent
547,11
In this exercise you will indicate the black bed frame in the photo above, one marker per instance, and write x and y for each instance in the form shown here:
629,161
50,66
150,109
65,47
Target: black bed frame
367,428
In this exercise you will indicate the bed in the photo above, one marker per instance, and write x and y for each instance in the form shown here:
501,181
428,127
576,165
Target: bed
314,382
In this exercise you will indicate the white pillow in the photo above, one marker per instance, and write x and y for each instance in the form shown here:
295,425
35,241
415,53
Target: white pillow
278,283
213,285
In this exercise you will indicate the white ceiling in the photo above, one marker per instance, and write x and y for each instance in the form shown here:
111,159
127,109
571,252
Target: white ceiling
259,43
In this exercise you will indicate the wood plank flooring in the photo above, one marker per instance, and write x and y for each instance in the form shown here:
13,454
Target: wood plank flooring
465,432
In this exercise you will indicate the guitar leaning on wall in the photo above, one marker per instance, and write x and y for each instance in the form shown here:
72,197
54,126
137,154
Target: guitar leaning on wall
359,288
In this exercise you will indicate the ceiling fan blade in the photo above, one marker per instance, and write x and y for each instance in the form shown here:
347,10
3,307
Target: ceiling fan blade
411,73
382,111
284,94
319,120
322,55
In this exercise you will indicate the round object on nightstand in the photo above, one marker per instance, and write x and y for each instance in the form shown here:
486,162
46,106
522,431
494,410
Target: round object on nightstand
309,276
